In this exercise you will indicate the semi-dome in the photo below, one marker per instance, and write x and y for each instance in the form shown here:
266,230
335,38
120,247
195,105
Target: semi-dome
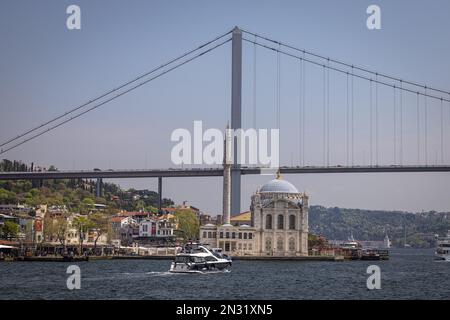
279,185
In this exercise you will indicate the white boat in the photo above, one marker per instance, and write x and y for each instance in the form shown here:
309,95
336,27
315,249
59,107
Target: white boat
351,244
443,247
197,258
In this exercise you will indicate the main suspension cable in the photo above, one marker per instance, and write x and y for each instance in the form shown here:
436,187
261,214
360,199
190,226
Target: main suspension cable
363,69
403,89
85,104
115,96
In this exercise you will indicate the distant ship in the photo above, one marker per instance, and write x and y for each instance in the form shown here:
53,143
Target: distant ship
386,242
443,247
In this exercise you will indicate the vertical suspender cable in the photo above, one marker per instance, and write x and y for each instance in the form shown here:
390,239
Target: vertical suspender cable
376,119
371,122
277,88
442,132
352,118
328,113
426,128
401,122
324,117
347,126
395,126
418,130
449,123
254,85
300,112
304,109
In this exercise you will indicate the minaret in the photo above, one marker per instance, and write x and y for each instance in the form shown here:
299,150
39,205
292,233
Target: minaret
227,176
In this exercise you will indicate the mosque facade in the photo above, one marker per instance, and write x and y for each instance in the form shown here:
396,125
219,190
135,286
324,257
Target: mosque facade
278,227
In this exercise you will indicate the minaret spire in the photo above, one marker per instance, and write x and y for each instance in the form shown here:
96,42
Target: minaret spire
227,176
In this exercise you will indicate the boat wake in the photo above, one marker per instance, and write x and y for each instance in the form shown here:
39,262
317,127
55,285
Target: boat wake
159,273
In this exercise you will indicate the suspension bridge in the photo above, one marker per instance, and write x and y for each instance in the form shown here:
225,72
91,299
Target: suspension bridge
401,93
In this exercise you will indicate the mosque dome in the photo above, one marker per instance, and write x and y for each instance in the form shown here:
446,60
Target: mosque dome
278,185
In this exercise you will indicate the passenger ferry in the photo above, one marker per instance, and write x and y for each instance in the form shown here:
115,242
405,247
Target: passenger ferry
198,258
443,247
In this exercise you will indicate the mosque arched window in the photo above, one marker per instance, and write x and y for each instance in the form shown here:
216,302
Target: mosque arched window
204,234
280,244
209,235
245,235
291,222
269,221
280,222
291,244
268,244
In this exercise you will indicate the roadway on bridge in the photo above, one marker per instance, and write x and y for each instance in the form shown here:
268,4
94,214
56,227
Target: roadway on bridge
209,172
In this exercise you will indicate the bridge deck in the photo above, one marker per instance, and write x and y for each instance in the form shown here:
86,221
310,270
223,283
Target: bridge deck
208,172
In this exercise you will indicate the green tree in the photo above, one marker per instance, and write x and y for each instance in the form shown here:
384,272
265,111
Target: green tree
188,223
56,228
7,197
83,224
101,224
10,230
87,205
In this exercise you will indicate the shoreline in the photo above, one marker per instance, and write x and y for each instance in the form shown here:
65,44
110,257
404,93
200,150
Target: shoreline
170,257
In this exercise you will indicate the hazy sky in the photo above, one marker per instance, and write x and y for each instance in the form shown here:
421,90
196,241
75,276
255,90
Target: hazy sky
46,69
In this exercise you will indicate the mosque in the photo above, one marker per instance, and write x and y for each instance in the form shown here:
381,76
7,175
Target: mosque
278,221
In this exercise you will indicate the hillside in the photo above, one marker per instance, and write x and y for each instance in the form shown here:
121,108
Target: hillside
338,223
77,194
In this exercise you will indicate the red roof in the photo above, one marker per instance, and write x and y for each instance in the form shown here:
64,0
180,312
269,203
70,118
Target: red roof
117,219
8,243
133,214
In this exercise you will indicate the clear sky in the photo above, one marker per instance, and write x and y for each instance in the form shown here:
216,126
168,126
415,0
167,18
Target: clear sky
46,69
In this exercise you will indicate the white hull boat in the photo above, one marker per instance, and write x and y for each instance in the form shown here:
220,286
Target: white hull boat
197,258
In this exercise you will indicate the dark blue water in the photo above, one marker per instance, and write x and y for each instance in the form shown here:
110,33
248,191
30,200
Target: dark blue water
409,274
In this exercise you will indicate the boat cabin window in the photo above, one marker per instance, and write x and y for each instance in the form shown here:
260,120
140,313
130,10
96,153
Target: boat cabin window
197,259
181,259
217,254
210,258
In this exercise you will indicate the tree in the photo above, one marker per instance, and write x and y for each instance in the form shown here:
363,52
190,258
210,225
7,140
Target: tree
87,205
83,224
101,224
188,223
7,197
56,228
10,230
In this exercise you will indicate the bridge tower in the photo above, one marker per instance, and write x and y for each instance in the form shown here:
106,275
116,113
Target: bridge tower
99,187
236,100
